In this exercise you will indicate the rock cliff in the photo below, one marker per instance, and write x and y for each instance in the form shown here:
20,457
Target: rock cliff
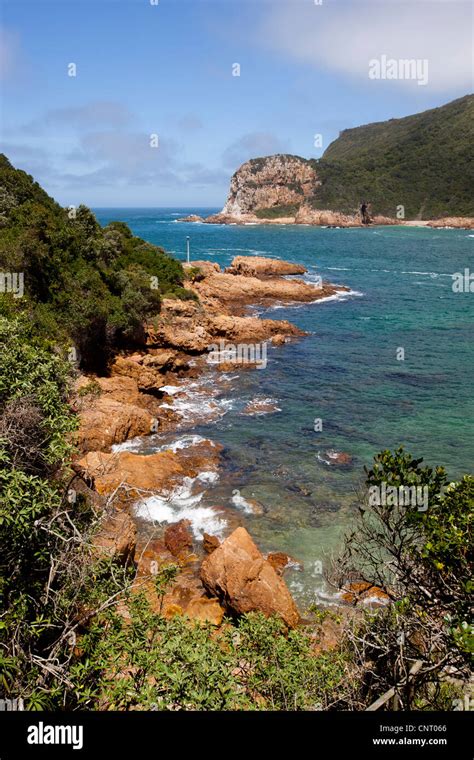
273,182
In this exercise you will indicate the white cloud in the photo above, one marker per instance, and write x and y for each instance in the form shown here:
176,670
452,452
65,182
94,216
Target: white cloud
345,36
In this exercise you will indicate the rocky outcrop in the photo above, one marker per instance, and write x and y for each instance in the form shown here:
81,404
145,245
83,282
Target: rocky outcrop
195,329
326,218
258,266
234,292
243,580
458,222
158,472
108,422
273,181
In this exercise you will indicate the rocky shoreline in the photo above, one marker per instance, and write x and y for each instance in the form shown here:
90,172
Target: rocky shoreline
139,398
327,218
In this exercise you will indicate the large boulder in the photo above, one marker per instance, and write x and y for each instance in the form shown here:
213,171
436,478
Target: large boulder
244,581
107,422
259,266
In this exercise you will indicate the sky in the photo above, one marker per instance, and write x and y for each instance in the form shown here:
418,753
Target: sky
157,102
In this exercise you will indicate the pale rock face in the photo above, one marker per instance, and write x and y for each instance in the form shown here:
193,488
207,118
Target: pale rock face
279,180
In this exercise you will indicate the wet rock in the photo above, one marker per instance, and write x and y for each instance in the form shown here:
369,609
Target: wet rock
209,543
365,593
244,581
261,406
280,561
157,472
178,539
333,457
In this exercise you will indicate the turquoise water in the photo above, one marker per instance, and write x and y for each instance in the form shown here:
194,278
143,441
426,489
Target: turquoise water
345,372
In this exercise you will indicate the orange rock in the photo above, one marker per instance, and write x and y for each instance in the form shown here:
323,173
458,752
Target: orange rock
209,543
205,610
362,592
117,536
178,539
460,222
154,472
280,561
258,266
107,422
237,574
149,473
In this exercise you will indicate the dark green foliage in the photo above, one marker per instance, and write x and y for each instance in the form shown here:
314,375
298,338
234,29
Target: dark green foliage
154,663
423,560
94,286
424,162
276,211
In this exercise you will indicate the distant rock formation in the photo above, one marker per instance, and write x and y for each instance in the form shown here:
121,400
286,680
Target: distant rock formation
268,183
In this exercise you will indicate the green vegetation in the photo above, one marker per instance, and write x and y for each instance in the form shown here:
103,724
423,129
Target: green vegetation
83,283
423,561
76,629
64,643
423,162
274,212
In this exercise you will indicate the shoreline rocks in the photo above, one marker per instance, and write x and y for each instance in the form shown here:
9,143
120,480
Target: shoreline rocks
134,400
244,581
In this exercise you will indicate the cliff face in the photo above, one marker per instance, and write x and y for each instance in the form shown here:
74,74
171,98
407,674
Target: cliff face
275,182
419,166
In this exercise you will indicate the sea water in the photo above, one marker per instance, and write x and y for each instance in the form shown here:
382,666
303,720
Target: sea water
391,363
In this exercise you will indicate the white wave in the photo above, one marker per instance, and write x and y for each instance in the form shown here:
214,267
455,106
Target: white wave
200,406
340,295
260,401
182,504
133,444
241,503
433,275
172,389
208,476
184,442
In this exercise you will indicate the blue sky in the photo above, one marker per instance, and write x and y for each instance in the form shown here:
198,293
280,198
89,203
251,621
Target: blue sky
167,70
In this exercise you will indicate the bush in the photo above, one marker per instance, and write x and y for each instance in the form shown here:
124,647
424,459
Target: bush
423,561
95,286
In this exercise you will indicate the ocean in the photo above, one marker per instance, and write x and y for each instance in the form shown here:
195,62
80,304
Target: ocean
390,363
